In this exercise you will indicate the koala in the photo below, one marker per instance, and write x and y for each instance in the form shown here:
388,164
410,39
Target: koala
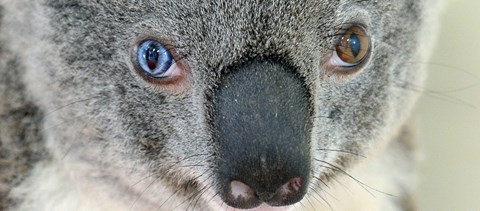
210,105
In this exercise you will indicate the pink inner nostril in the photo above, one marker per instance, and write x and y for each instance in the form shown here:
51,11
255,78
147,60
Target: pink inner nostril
295,183
241,191
241,195
293,186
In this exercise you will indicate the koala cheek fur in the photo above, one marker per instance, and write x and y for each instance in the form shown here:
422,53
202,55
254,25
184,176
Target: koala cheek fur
213,105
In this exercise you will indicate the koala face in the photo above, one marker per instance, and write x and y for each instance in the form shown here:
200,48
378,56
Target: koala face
198,104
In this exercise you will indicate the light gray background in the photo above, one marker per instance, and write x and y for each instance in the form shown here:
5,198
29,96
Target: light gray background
448,114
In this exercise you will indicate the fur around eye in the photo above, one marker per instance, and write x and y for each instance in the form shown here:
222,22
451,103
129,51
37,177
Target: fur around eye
352,48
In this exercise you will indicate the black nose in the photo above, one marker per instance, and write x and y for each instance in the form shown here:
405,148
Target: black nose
262,119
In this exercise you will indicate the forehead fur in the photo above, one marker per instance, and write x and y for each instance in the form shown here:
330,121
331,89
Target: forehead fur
214,35
222,31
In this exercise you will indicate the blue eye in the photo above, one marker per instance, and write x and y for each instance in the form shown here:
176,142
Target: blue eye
154,59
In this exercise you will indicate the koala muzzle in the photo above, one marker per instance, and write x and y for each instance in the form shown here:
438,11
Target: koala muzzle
262,120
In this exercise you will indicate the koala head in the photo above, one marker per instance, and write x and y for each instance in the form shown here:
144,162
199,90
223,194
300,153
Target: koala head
207,103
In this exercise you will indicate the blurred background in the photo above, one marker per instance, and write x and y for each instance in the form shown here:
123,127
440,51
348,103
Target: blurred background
448,114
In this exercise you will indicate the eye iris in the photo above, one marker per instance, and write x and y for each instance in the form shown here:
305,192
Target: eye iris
154,59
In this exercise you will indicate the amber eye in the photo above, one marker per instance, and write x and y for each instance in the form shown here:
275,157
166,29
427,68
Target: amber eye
352,47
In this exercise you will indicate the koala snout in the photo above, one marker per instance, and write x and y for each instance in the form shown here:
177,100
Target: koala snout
262,119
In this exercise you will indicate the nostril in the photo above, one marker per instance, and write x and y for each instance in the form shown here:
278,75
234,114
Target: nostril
240,195
243,196
295,184
241,191
289,193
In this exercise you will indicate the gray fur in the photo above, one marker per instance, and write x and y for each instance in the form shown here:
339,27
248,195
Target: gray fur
70,101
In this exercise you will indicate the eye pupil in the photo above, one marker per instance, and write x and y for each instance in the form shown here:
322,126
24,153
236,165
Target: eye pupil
355,44
154,59
151,65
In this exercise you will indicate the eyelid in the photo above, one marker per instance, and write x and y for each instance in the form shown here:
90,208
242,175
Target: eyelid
336,61
173,71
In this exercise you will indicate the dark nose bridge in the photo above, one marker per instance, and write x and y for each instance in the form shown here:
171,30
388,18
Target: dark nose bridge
262,118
